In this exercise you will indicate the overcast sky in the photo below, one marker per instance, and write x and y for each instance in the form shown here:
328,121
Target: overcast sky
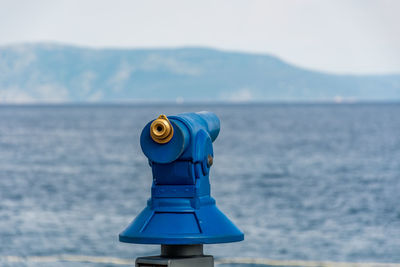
346,36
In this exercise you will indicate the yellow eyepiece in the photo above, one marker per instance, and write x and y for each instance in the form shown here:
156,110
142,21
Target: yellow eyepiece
161,130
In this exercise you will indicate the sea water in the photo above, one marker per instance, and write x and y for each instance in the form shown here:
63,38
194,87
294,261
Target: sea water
308,182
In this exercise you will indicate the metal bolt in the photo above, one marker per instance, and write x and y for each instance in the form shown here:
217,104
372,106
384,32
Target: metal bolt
209,161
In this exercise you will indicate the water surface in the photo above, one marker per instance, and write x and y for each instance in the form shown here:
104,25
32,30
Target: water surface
309,182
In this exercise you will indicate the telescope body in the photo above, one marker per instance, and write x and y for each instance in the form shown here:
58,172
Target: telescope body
181,210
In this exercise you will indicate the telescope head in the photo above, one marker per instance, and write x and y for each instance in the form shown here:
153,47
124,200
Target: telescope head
165,140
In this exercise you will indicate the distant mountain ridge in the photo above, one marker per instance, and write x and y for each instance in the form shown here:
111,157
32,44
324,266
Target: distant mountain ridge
60,73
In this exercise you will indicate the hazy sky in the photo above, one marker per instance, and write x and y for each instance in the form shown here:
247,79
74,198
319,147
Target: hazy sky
346,36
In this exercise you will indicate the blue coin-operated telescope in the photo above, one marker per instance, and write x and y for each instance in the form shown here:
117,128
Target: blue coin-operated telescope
180,215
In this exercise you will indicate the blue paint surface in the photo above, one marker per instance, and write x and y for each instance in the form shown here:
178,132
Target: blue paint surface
181,210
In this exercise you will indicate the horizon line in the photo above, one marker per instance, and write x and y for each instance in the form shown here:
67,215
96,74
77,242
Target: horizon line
198,102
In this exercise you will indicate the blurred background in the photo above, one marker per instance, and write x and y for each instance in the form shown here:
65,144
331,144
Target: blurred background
307,160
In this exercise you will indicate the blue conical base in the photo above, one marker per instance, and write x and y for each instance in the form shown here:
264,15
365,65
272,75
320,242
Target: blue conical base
179,223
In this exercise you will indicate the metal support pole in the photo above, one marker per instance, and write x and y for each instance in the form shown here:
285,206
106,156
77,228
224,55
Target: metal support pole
178,256
181,250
